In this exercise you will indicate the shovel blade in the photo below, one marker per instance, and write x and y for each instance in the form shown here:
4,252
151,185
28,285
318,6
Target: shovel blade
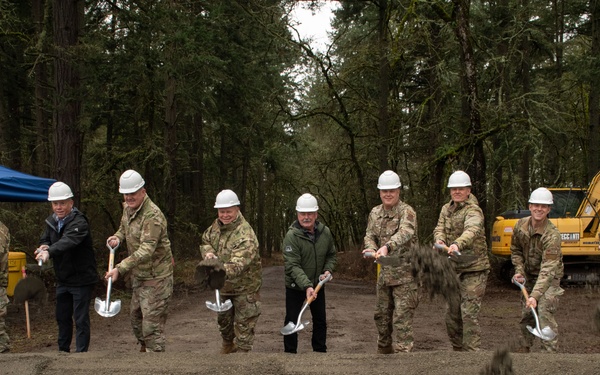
107,310
545,334
219,307
291,327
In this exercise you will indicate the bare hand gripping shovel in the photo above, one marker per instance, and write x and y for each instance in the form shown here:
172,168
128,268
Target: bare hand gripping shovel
218,306
106,308
299,325
545,333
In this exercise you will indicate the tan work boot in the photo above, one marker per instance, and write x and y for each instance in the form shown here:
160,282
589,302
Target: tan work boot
385,350
228,347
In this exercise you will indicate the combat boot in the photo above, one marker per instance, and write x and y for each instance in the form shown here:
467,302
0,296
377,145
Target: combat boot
385,350
143,348
228,347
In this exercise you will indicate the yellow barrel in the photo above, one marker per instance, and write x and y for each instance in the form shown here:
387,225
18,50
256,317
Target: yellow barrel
16,261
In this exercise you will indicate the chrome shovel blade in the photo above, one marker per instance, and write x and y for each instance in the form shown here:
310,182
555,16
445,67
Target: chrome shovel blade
291,327
218,306
107,310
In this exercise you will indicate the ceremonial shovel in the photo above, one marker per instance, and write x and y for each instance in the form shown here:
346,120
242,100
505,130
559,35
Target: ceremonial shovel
106,308
545,333
299,325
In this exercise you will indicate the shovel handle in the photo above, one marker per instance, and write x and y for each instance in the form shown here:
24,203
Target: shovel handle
522,287
319,285
111,257
445,248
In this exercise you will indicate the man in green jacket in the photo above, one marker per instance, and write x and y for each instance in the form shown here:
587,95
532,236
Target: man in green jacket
150,261
231,239
537,257
461,228
309,255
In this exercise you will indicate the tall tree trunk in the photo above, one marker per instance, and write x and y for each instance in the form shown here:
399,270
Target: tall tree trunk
68,136
170,148
41,153
477,164
593,142
384,84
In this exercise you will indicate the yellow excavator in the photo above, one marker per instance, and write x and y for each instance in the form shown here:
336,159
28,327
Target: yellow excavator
576,214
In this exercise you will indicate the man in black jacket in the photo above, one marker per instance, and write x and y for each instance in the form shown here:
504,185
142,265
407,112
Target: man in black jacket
67,240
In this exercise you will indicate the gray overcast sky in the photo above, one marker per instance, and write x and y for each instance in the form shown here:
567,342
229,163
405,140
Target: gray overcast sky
315,26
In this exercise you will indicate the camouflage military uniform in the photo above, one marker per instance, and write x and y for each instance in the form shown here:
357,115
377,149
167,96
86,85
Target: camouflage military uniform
236,245
4,242
463,223
536,254
151,264
397,290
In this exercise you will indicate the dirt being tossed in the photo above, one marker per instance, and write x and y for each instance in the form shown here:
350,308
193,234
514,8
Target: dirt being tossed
502,364
435,272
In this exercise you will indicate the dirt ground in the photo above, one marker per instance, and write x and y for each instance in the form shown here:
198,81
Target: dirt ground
193,339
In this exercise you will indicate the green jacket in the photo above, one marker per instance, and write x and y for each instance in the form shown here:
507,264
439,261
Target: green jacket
536,254
236,245
463,223
396,228
4,243
148,245
305,258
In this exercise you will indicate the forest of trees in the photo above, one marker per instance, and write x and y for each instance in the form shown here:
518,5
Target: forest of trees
202,95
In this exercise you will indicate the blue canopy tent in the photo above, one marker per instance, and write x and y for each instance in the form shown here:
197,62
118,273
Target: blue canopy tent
21,187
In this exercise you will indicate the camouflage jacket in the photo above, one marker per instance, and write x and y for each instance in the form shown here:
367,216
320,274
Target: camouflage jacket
306,256
463,223
148,245
536,254
396,228
4,244
236,245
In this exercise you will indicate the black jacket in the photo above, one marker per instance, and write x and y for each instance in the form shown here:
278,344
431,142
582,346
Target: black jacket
71,250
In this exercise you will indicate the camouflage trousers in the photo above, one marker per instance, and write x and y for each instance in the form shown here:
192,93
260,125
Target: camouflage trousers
4,339
462,316
236,325
149,310
394,314
546,307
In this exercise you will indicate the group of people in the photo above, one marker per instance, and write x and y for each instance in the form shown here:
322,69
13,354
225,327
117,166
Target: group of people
460,231
309,256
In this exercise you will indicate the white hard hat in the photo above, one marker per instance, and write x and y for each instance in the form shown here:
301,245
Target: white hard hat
59,191
226,198
459,179
541,196
130,182
388,180
307,203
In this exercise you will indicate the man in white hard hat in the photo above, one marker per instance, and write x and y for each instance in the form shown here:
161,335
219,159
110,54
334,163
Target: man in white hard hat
68,242
537,257
150,261
461,228
231,239
310,256
392,231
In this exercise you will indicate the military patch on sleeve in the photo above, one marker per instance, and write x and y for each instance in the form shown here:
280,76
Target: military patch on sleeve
410,216
551,256
288,249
